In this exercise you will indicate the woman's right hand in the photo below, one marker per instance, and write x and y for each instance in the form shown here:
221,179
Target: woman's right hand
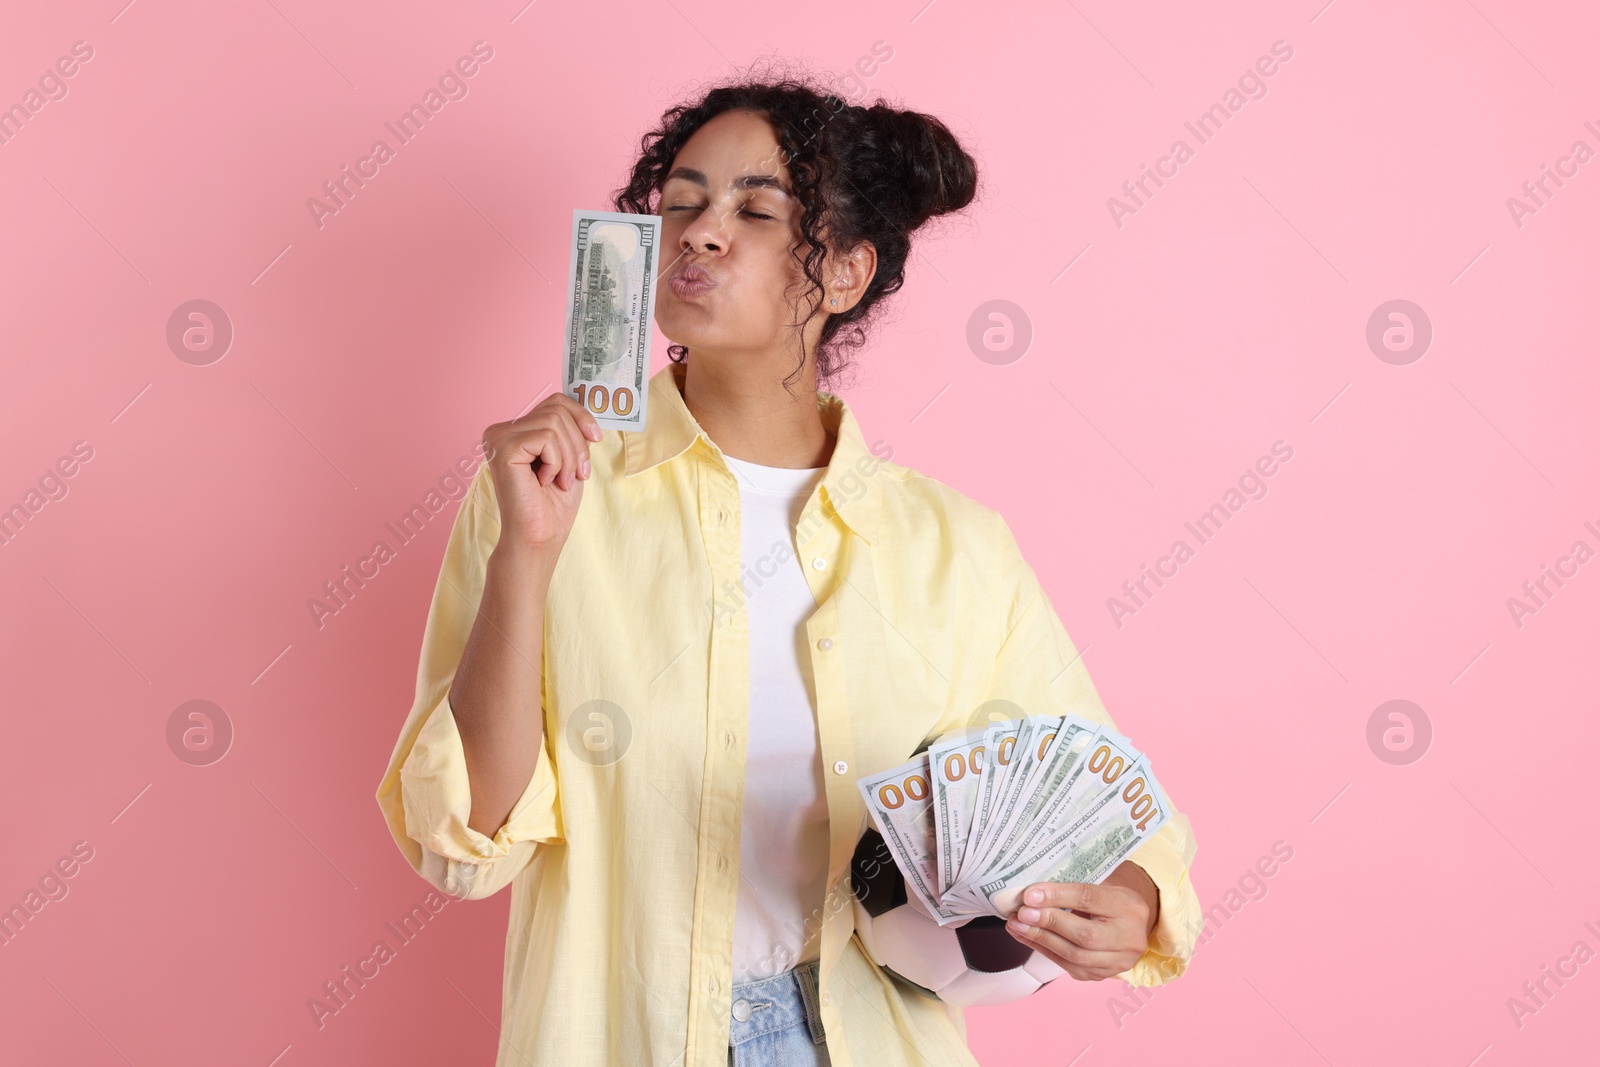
538,505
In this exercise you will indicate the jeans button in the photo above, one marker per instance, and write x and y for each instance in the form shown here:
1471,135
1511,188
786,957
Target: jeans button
741,1009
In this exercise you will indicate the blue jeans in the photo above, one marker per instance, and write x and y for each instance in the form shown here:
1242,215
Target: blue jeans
777,1021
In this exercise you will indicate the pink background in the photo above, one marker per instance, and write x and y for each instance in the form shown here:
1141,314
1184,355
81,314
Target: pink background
1227,313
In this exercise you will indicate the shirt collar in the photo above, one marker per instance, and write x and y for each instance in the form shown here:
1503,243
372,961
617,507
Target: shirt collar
850,484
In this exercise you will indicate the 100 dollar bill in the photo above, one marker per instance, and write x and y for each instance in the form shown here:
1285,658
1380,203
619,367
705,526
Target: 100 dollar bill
1093,844
900,802
1000,743
1108,756
955,765
611,310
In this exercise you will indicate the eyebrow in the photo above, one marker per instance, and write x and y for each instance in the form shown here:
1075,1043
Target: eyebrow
747,181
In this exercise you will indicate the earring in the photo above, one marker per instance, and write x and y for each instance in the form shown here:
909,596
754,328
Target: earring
835,301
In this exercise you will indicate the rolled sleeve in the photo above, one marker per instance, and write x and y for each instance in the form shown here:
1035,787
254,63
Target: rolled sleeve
437,797
1166,857
426,795
1039,669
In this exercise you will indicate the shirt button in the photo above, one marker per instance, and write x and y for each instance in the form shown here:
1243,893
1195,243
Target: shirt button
741,1009
722,517
819,563
713,985
827,998
840,766
825,644
722,863
727,738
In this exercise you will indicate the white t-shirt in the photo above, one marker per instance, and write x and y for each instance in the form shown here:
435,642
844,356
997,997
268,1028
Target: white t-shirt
783,842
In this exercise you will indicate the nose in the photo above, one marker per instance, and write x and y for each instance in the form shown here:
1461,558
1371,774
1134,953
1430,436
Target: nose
706,233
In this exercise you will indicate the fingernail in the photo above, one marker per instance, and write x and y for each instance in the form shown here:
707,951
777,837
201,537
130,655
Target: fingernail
1021,928
593,433
1034,896
585,466
1028,915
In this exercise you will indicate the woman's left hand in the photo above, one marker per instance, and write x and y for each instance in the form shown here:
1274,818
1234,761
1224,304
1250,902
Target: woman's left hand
1093,932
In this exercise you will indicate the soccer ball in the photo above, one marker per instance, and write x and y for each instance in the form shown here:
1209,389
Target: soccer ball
976,962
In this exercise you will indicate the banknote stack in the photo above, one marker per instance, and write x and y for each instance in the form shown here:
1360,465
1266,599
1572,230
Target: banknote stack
611,310
983,814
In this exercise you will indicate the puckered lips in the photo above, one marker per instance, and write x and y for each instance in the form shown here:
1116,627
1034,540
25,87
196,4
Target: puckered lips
690,280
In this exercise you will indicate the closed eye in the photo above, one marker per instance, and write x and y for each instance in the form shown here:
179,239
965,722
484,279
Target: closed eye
691,207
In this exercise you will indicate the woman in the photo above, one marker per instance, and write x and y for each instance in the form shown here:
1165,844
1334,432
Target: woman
656,663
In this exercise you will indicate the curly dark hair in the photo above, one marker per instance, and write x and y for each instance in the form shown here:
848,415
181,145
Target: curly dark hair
872,173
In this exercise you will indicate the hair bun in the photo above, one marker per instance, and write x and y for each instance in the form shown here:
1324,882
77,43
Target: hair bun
928,162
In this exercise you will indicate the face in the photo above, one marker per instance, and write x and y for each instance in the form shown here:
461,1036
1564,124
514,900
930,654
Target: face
729,223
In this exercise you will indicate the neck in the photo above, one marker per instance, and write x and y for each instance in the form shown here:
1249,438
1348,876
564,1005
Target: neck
751,416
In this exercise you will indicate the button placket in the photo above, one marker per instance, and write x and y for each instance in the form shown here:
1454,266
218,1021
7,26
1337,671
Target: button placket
728,658
848,635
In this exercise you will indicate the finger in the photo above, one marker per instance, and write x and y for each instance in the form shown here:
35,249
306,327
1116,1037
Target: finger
1095,934
503,446
551,421
567,476
545,445
577,446
588,426
555,425
557,404
576,427
1105,900
539,415
1069,954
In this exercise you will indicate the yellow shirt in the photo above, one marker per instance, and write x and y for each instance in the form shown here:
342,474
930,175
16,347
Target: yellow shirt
622,853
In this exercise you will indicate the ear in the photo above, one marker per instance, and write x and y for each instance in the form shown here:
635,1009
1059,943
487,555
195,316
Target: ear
849,278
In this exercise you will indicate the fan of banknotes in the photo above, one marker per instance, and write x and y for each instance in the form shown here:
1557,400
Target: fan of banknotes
981,815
